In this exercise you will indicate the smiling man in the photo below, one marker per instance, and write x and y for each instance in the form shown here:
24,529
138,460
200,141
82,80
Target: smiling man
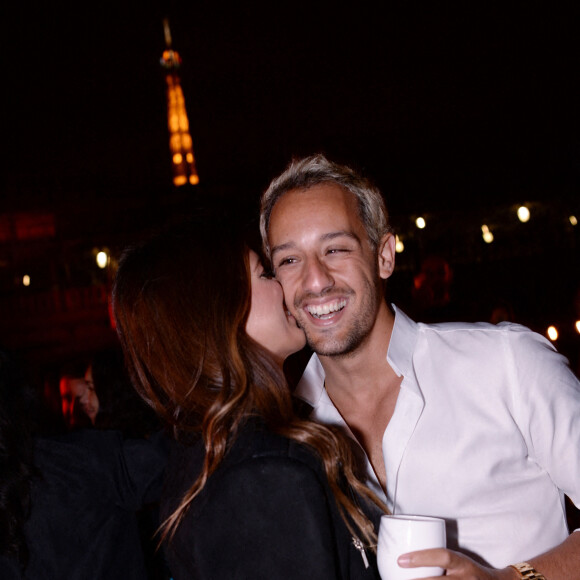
476,423
335,291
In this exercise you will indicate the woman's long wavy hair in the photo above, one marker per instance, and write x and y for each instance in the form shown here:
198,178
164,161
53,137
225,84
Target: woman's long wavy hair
181,302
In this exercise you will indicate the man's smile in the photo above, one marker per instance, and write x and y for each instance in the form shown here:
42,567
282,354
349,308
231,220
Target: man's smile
327,310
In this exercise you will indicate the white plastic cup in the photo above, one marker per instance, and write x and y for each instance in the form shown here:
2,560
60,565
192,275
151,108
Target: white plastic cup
400,534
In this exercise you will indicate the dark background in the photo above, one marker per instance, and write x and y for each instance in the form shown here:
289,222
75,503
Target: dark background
458,111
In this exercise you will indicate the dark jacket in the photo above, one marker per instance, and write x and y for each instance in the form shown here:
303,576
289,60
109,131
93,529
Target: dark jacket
267,512
83,523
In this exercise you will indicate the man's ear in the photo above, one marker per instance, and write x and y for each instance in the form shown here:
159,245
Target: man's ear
386,255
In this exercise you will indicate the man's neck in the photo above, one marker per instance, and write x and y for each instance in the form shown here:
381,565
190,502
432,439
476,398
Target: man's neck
364,389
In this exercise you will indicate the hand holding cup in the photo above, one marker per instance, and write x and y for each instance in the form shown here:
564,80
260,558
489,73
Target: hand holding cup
399,534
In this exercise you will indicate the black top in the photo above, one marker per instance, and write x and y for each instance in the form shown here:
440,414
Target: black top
83,519
267,512
9,569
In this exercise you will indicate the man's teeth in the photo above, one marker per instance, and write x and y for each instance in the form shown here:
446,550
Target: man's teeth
322,310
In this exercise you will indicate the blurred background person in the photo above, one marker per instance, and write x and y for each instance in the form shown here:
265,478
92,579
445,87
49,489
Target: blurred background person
431,292
69,503
72,387
110,401
501,310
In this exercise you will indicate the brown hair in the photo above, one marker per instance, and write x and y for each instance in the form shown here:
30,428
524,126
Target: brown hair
181,302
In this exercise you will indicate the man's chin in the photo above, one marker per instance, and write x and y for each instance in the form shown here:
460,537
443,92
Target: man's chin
330,345
325,346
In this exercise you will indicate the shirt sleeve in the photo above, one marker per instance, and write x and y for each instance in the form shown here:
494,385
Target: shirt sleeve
549,409
269,518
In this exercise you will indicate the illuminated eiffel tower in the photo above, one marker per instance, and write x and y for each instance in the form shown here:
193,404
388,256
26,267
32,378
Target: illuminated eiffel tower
180,142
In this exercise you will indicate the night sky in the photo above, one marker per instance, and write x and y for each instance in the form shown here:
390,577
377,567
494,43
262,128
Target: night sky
443,104
457,110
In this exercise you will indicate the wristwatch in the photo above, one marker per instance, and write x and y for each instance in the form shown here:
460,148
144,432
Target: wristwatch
528,572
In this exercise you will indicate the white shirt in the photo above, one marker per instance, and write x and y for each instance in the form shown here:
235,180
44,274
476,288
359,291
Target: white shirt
485,433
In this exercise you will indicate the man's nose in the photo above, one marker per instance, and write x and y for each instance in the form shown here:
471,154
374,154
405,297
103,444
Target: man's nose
317,276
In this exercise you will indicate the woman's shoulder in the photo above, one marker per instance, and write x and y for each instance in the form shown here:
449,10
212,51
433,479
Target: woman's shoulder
253,444
261,475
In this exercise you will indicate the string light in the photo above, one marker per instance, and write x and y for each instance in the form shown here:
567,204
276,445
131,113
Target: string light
523,214
487,235
102,259
462,224
552,333
399,246
26,280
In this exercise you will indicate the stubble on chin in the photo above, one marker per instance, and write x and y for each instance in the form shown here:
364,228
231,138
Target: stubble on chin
329,342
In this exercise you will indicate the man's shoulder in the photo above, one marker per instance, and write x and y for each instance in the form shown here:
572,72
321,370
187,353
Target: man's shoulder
480,341
510,330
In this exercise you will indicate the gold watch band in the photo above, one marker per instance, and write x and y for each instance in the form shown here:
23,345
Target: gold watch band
528,572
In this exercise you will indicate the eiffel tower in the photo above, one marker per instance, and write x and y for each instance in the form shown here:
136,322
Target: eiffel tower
180,143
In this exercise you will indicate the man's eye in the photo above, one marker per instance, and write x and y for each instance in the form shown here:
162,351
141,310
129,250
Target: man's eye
337,250
286,261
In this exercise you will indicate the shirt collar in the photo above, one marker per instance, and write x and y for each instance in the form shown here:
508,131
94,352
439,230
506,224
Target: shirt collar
402,343
310,388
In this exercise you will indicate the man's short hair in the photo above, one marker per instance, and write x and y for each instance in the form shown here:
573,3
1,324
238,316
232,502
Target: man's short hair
302,174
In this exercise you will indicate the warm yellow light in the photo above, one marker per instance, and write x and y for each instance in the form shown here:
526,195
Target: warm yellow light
577,325
552,333
573,220
420,223
173,123
175,142
183,123
523,214
486,234
179,94
102,259
399,246
26,280
180,142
